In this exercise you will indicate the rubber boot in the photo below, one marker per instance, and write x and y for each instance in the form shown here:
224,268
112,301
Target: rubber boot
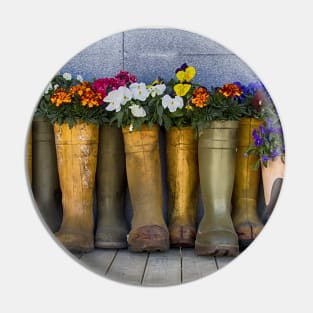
29,156
245,195
272,177
183,183
77,150
45,181
111,183
217,155
143,167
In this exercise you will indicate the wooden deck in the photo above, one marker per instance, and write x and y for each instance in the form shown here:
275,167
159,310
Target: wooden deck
157,269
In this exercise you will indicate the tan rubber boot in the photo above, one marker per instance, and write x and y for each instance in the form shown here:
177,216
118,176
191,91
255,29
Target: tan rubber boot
183,185
143,168
272,176
217,155
45,181
245,195
77,150
111,184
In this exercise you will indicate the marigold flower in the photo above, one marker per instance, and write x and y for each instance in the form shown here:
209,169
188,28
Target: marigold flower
60,96
88,96
230,90
200,97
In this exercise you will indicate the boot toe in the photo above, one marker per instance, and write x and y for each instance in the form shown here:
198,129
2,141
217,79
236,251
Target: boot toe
111,238
148,238
247,232
182,236
217,243
76,242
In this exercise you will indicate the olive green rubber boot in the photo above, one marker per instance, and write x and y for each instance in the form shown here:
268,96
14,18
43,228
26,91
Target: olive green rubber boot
217,154
45,182
111,183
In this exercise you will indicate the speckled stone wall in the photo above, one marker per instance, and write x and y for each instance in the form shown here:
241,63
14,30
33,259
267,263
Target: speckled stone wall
149,53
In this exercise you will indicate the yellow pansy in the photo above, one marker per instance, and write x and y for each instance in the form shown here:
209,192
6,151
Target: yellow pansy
182,89
186,75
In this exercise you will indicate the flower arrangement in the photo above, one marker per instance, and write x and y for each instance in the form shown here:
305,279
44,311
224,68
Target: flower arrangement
176,107
217,104
250,99
69,100
268,144
268,139
133,104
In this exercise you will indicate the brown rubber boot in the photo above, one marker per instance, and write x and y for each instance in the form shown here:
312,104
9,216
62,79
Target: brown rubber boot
77,150
111,183
45,181
143,168
183,183
217,155
245,195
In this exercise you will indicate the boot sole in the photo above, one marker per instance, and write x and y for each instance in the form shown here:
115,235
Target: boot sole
149,246
216,250
110,245
183,244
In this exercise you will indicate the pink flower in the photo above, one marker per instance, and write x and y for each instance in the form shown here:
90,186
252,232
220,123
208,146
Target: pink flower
126,77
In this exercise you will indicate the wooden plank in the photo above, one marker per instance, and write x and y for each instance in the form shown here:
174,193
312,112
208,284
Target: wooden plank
128,267
195,267
163,269
99,260
221,261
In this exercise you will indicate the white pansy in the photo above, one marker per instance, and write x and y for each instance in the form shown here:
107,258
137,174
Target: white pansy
114,98
172,103
126,94
137,110
67,76
48,88
80,78
139,91
157,90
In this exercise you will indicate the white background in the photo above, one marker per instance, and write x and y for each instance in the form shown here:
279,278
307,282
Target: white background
274,38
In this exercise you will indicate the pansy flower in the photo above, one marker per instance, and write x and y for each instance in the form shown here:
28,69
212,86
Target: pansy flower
172,103
137,110
185,73
117,97
139,91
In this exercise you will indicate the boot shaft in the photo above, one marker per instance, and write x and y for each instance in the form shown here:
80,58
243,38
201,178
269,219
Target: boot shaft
247,178
217,152
77,158
143,168
45,180
182,175
111,175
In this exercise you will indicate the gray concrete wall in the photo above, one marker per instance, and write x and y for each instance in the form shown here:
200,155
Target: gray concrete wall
149,53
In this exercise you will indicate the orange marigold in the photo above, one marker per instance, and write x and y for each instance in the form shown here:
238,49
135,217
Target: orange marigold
60,96
199,97
230,90
88,96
